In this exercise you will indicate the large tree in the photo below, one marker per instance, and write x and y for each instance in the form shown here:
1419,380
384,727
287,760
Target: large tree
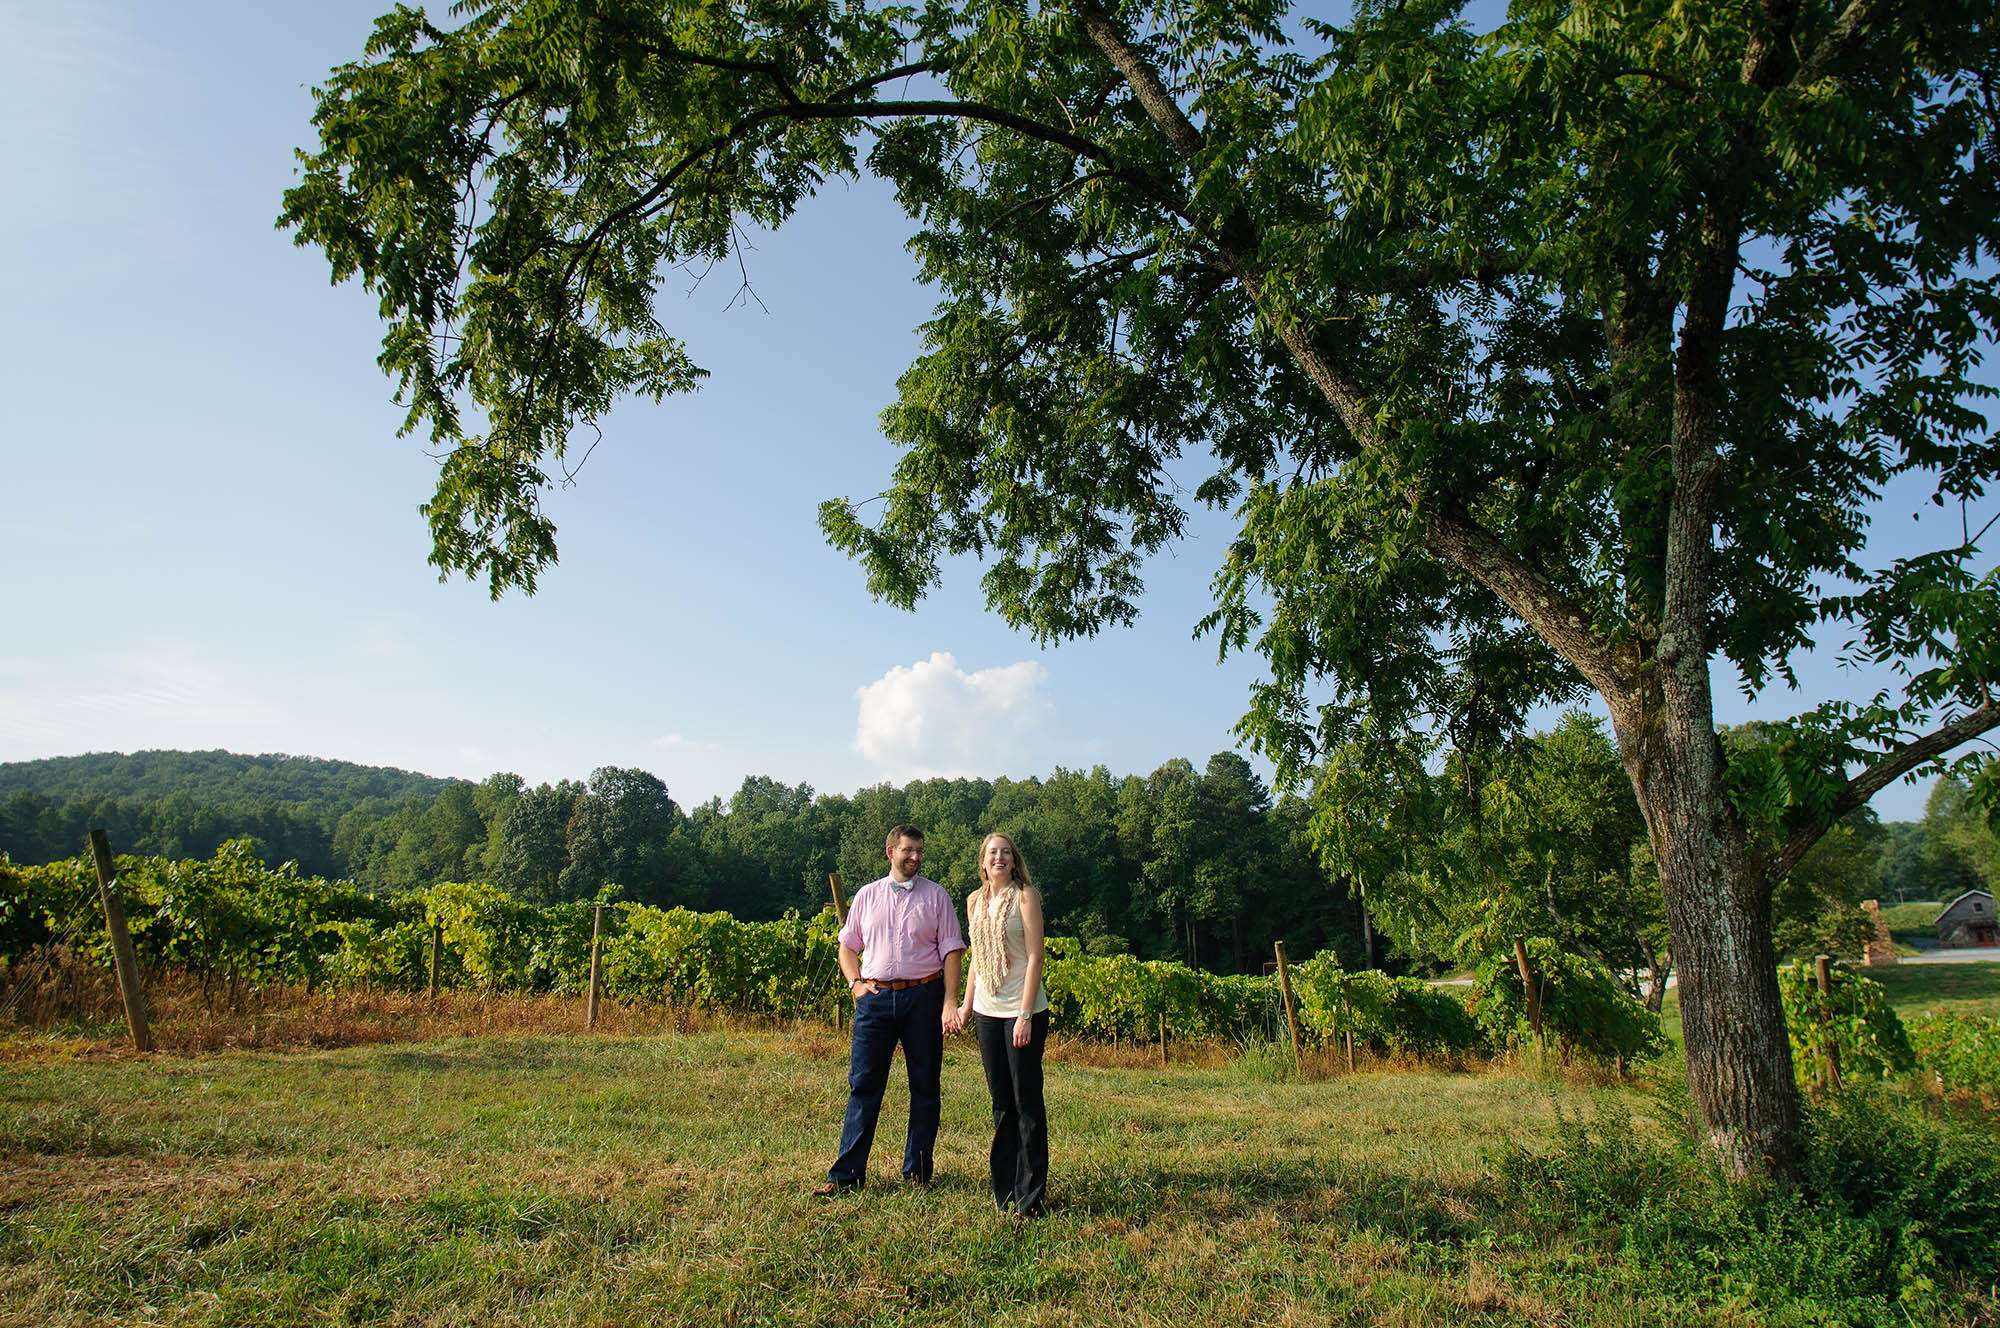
1571,357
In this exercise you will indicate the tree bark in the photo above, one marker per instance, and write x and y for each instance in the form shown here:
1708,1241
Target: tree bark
1718,907
1662,969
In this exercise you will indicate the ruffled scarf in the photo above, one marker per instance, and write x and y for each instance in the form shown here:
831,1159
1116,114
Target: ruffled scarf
989,936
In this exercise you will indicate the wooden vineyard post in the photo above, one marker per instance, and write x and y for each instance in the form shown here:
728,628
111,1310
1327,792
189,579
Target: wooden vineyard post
1829,1060
596,965
121,942
1291,1010
1347,1022
1528,986
437,956
840,916
1163,1038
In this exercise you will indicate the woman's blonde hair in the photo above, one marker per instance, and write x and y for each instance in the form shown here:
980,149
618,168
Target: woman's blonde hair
1019,875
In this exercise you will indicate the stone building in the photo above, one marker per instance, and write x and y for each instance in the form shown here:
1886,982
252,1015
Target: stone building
1969,920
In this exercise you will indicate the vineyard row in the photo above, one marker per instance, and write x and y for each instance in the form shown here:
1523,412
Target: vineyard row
230,918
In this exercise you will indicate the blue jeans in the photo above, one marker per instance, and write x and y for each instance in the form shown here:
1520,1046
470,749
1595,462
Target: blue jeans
881,1020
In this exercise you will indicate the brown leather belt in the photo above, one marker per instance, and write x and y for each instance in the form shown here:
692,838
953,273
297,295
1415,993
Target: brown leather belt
900,984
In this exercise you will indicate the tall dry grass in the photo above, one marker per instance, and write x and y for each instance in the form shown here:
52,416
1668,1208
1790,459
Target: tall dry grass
56,996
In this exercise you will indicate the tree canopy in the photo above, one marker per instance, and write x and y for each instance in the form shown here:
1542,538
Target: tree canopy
1568,357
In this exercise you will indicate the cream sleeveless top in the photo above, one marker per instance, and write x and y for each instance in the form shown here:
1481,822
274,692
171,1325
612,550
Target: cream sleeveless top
1000,957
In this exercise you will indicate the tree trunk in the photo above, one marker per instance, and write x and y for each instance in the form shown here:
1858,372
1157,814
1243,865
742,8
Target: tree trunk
1663,968
1739,1061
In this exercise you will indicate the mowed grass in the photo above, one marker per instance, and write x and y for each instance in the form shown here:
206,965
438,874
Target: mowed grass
580,1180
1915,989
1912,989
664,1180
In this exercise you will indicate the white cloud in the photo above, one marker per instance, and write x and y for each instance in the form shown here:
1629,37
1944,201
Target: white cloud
932,718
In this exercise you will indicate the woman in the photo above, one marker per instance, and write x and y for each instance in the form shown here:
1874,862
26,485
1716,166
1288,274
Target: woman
1006,994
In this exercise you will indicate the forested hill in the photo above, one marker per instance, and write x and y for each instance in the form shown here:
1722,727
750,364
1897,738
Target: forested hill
1198,864
302,809
1185,862
216,776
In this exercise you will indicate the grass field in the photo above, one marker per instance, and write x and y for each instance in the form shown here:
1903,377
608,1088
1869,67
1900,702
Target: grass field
1919,919
1916,989
663,1179
1913,989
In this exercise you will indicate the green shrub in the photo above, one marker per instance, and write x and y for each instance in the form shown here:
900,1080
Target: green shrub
390,950
234,915
1854,1018
1912,919
1120,996
503,944
1896,1220
1957,1050
1399,1016
225,916
1583,1008
1931,1189
786,969
41,905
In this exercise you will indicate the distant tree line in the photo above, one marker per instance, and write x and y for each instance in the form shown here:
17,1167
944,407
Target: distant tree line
1430,866
1195,865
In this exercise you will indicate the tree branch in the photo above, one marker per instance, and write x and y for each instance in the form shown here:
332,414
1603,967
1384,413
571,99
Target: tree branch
1879,776
1453,534
1769,55
770,69
1089,177
1846,35
1145,82
1559,619
1488,268
663,186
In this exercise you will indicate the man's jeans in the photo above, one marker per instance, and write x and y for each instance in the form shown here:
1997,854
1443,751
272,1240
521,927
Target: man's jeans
881,1020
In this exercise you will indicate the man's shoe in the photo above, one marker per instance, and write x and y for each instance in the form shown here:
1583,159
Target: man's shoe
834,1187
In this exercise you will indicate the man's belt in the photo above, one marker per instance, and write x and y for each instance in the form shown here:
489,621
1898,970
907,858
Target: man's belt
901,984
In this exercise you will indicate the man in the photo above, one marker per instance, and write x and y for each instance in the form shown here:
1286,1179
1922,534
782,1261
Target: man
901,952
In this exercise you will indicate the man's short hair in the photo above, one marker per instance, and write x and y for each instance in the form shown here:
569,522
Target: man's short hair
904,832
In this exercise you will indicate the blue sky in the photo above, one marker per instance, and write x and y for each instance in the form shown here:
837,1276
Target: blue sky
211,533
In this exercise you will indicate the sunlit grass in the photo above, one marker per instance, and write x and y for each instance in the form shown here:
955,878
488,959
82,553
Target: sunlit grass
1916,989
663,1180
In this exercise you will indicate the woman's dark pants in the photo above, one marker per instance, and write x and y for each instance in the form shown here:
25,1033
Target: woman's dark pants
1020,1154
881,1020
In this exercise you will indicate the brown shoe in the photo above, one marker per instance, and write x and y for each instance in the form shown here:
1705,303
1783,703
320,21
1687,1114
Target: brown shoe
833,1187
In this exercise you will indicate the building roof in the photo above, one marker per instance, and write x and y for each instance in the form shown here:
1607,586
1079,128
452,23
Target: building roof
1986,895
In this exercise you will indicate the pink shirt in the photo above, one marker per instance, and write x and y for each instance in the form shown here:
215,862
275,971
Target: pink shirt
901,933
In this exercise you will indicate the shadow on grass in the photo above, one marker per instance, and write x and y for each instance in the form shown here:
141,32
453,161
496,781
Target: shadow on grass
1347,1195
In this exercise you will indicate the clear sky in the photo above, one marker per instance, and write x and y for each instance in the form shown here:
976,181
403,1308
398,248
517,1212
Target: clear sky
210,534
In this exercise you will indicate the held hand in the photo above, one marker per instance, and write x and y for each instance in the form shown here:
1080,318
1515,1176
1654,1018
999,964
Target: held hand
949,1020
1024,1030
